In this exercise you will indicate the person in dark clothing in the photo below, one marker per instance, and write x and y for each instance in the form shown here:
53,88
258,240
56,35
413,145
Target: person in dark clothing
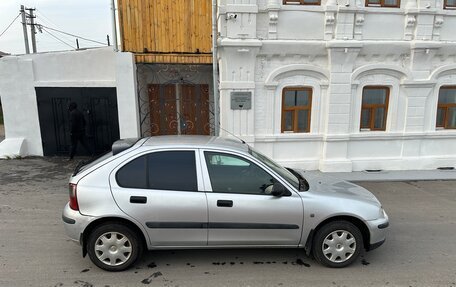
77,129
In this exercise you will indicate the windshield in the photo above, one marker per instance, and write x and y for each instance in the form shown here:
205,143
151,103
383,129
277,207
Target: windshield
287,175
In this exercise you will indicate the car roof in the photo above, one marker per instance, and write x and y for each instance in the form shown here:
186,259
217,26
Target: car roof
197,141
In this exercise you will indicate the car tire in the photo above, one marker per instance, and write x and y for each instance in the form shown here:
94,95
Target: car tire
113,247
337,244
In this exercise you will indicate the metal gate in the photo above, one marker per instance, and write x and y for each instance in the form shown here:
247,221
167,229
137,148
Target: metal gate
178,109
99,106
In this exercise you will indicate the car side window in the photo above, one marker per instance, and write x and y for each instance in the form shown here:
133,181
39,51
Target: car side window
232,174
172,170
166,170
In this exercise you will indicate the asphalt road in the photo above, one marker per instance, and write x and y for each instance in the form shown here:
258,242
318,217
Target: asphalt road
34,251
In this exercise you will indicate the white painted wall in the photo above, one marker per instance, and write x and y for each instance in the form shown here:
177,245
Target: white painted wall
19,75
337,49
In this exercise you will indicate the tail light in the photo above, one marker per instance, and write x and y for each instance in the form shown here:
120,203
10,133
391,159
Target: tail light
73,197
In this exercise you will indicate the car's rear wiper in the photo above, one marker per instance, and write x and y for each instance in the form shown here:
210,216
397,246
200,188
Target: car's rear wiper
303,184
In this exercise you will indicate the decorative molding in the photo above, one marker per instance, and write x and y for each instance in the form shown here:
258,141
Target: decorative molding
438,23
289,137
273,21
344,44
392,70
418,84
359,20
358,29
261,65
410,22
330,19
441,70
226,42
361,136
323,74
330,23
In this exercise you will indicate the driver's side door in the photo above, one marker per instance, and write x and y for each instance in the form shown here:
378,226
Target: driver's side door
242,210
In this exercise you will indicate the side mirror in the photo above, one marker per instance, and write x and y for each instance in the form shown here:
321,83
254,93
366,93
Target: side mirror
279,190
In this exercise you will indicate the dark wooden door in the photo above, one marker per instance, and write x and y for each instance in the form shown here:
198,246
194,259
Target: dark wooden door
179,109
99,107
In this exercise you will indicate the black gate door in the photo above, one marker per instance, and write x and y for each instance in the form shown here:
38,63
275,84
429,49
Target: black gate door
99,106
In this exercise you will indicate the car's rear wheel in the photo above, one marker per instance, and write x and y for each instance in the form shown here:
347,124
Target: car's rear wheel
337,244
113,247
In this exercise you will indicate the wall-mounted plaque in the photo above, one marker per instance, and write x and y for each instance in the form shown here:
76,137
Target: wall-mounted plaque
241,100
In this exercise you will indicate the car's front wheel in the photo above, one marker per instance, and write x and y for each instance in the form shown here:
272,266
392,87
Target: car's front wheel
113,247
337,244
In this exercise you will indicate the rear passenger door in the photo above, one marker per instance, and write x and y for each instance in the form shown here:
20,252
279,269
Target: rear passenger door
161,190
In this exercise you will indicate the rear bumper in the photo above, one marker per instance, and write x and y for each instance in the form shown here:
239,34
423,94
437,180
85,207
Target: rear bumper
74,223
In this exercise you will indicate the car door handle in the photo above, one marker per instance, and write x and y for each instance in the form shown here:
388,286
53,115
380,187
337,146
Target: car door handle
138,199
225,203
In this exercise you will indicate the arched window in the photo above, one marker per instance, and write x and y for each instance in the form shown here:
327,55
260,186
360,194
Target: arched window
446,108
296,109
374,108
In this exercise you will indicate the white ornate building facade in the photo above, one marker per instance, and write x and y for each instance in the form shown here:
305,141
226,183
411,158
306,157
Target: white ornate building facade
344,85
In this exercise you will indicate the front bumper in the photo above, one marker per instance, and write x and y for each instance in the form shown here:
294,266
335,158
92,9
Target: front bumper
75,223
378,229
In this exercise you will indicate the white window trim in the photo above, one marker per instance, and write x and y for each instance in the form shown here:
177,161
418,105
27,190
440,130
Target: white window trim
392,115
316,117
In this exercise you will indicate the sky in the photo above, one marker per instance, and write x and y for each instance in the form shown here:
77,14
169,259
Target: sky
86,18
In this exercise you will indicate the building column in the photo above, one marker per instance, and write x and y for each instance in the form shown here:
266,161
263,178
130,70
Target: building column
237,67
335,144
127,98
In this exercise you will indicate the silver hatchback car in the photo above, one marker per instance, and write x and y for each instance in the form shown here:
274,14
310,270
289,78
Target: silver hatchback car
172,192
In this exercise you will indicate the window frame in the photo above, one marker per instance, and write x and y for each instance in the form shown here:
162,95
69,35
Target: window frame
300,2
445,111
295,110
373,107
448,7
383,5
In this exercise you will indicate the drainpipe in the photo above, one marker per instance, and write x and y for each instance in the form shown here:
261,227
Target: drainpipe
215,67
114,25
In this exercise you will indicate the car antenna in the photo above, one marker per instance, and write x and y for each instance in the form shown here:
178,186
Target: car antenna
224,130
230,133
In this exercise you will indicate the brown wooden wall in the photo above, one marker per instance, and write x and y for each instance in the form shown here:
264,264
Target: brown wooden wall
167,31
